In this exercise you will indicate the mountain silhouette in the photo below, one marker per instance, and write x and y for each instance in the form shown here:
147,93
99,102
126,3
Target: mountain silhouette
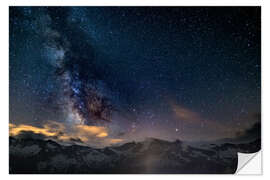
37,156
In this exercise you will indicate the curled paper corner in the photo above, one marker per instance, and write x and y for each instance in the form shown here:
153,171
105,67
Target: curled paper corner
249,163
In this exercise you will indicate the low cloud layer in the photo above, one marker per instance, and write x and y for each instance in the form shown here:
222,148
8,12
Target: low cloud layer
90,135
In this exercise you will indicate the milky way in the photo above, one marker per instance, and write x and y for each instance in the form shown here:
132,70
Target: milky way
172,73
81,96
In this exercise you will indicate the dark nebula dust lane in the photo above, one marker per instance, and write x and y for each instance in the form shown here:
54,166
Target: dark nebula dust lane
73,62
105,75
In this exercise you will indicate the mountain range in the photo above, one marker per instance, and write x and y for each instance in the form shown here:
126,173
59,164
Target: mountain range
154,156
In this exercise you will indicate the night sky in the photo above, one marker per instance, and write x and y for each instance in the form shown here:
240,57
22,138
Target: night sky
190,73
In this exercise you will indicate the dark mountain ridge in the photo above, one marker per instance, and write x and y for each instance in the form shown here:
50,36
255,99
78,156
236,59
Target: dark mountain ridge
36,156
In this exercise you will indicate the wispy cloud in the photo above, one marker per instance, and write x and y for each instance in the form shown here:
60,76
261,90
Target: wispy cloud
186,114
204,126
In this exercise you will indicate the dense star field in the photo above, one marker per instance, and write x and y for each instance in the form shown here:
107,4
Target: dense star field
109,75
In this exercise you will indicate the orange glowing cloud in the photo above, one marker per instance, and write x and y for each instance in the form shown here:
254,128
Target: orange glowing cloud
113,141
59,131
98,131
17,129
103,134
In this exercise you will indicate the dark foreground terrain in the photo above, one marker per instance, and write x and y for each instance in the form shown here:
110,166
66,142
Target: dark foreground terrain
33,156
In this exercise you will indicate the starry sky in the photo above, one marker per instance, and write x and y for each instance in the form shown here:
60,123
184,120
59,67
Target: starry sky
126,73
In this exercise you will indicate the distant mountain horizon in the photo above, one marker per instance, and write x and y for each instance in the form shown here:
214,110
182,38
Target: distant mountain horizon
153,155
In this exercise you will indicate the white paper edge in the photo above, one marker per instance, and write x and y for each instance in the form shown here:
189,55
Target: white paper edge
249,163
